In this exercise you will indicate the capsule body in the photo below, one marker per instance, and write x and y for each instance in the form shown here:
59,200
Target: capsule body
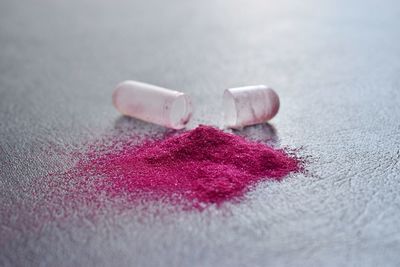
154,104
249,105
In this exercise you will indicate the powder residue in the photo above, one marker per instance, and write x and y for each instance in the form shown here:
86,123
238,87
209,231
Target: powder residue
202,166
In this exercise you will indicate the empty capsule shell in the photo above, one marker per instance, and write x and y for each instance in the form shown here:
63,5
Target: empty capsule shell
152,103
249,105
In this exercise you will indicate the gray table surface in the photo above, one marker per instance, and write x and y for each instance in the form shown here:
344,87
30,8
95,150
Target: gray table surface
335,64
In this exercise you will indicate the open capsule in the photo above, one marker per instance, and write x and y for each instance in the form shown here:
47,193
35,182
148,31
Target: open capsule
249,105
152,103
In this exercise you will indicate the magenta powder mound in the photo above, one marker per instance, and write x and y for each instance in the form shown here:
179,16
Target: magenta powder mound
180,171
201,166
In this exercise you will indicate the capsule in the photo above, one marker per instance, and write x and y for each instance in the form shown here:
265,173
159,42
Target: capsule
154,104
249,105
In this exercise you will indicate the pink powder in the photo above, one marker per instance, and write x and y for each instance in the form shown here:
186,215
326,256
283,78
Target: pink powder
200,167
193,169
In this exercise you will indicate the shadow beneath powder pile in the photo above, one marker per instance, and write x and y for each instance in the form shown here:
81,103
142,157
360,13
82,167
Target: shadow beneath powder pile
265,133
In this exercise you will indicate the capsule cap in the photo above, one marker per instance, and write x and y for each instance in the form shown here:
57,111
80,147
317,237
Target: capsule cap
249,105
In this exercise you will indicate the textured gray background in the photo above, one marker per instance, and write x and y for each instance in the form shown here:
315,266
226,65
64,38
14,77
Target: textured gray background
335,64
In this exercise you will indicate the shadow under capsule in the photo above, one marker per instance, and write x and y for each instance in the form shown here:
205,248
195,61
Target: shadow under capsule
264,132
126,124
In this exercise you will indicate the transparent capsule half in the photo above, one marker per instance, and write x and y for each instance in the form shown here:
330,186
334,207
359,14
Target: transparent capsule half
249,105
169,108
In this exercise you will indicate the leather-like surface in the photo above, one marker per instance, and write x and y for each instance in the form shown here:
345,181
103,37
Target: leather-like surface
335,65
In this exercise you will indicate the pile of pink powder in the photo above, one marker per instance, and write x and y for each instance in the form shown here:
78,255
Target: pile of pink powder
201,166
